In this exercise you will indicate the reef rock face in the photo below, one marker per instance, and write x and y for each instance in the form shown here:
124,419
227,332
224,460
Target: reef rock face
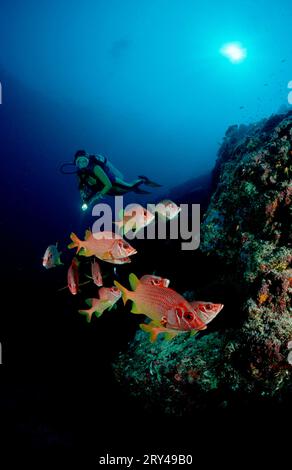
248,229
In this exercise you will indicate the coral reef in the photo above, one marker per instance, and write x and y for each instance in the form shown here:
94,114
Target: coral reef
247,228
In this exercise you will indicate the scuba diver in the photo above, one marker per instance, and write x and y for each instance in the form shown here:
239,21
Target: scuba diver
98,177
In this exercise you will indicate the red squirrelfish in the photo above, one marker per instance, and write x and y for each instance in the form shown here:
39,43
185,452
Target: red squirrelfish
112,294
103,245
167,209
134,219
96,274
51,257
206,310
152,280
108,296
73,277
120,250
164,306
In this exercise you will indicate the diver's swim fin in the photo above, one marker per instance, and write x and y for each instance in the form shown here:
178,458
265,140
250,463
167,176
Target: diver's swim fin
136,188
141,191
150,183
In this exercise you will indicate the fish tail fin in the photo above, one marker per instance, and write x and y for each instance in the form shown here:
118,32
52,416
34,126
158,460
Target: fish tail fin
75,242
134,281
150,183
125,292
87,313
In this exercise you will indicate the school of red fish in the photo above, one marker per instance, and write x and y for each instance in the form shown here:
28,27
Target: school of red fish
168,312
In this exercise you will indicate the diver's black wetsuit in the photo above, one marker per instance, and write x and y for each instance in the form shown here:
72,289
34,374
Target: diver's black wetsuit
84,175
90,185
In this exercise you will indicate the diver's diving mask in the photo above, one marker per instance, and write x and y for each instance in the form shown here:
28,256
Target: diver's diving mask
82,162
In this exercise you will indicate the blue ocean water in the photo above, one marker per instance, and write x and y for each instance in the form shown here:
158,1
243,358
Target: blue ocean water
142,82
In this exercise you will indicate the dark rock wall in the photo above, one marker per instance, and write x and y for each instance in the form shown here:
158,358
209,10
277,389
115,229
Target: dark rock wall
246,230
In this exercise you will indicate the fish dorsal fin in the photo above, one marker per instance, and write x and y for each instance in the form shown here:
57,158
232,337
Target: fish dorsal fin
87,234
134,281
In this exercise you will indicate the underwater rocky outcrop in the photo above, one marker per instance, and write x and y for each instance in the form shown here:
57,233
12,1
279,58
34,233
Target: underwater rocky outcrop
247,229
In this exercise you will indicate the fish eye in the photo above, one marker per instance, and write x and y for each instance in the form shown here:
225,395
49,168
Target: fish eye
208,306
188,316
